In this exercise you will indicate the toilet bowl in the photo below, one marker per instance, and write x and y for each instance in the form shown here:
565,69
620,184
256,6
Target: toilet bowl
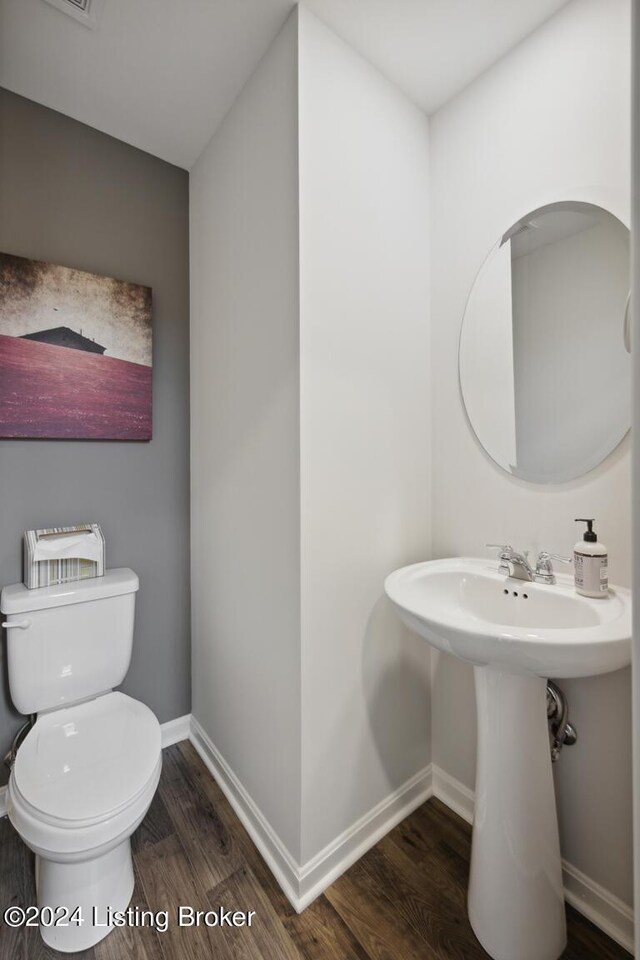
83,780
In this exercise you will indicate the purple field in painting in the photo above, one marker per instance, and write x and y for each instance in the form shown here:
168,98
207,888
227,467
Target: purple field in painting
51,391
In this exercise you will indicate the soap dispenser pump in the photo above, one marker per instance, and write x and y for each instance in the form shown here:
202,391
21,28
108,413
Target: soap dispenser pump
591,563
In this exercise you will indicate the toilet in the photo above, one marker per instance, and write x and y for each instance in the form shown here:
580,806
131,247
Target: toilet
86,773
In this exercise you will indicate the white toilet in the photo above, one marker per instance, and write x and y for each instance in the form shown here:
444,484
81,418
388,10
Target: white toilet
87,771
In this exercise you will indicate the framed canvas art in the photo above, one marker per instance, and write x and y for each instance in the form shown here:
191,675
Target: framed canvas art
75,354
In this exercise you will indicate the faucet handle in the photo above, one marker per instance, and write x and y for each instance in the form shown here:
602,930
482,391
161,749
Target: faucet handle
502,547
544,555
506,550
506,554
544,568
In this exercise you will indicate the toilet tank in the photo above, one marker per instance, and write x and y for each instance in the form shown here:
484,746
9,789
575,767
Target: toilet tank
68,642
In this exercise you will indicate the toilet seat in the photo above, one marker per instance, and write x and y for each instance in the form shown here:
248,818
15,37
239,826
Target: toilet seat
82,764
84,777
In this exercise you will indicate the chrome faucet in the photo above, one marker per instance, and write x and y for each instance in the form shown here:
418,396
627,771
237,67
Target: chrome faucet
512,563
516,565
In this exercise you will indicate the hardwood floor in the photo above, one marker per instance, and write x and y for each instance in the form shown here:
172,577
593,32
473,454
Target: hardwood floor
404,900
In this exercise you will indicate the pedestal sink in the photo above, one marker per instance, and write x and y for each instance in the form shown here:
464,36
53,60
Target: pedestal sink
517,635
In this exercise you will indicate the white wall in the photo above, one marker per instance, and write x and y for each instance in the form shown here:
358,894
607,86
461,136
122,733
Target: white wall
365,448
245,439
548,122
310,435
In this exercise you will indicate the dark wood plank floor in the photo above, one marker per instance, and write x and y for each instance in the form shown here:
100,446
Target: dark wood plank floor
404,900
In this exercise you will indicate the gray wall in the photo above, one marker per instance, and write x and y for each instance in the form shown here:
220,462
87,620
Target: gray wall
73,196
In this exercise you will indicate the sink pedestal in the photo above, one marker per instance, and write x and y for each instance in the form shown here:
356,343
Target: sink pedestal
522,632
516,901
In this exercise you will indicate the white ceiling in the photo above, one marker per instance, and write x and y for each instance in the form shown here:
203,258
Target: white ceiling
161,74
432,49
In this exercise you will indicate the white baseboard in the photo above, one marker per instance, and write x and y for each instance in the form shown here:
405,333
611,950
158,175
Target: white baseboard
454,794
599,906
173,731
321,871
282,865
302,884
605,910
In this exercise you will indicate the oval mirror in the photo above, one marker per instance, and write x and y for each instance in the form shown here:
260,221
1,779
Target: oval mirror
544,372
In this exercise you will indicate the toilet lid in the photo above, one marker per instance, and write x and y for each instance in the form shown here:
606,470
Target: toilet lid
86,761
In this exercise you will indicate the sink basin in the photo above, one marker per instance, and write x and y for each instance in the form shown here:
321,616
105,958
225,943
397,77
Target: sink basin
465,607
516,635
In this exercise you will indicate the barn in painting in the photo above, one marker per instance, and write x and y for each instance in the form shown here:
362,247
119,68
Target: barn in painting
64,337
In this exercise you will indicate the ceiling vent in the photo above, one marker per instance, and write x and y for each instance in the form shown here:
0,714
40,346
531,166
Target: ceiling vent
85,11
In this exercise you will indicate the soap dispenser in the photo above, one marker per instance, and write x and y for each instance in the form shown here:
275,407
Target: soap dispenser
591,561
